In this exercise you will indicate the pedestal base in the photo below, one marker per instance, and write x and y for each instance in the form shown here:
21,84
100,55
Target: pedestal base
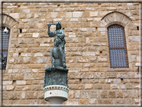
56,94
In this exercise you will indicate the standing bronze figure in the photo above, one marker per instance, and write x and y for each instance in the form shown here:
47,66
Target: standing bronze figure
58,73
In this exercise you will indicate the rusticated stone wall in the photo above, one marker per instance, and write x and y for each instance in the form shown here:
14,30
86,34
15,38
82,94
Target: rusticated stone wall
91,80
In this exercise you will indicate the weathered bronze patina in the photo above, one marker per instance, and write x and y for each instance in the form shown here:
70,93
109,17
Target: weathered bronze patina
58,73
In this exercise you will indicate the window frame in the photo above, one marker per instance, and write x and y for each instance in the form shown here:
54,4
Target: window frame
3,50
124,47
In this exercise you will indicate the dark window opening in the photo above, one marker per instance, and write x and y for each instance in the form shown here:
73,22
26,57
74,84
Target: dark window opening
4,37
20,30
117,47
137,27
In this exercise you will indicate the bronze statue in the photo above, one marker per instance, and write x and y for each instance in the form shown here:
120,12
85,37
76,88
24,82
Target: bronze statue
59,42
57,74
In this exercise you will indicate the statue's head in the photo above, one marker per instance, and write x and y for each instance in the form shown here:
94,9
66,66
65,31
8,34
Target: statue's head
58,25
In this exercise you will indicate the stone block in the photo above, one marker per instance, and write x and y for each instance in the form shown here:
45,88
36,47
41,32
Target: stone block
122,75
11,60
93,94
103,94
58,19
83,29
28,82
89,20
19,88
116,81
88,86
36,88
71,94
76,86
17,76
40,95
26,54
29,15
26,71
83,101
101,39
107,101
134,38
103,13
77,14
88,54
106,87
7,82
122,86
31,95
119,94
54,14
102,59
38,54
111,94
14,15
114,86
26,10
76,54
93,101
84,94
13,70
69,14
93,14
35,35
15,54
111,74
26,88
85,15
127,94
135,93
39,76
26,60
119,101
28,76
34,66
35,82
137,101
129,85
21,82
41,60
44,45
9,87
99,75
82,59
77,94
98,86
15,96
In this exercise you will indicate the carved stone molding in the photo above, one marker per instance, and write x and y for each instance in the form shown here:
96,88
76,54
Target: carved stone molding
8,21
54,91
115,17
56,87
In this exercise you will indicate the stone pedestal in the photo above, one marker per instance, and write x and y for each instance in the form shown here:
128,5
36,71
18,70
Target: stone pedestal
56,94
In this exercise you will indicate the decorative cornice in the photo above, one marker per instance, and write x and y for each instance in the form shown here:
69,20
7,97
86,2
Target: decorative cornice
56,87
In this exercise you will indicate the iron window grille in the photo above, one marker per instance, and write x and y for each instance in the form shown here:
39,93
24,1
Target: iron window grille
117,47
4,37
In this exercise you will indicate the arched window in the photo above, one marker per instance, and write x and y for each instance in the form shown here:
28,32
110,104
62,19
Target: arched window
117,47
4,37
